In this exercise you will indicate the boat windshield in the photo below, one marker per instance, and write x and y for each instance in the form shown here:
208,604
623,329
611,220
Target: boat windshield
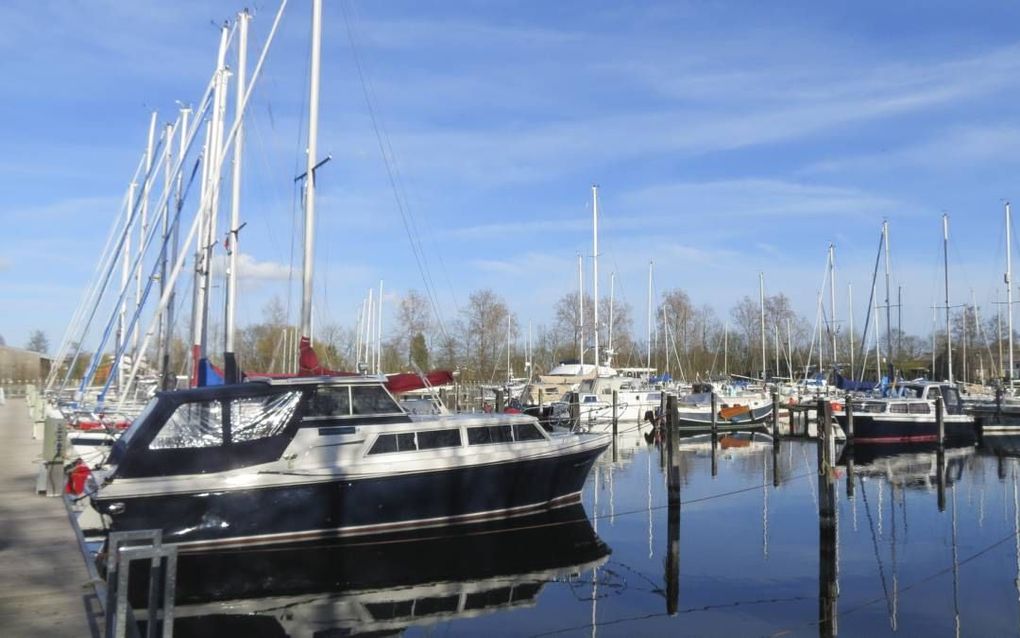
137,422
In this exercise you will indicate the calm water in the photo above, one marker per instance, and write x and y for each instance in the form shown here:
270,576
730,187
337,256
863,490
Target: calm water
743,558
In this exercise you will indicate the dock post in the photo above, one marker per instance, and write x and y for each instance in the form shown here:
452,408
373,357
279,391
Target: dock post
848,406
715,416
998,403
775,417
940,421
540,400
940,461
500,401
673,482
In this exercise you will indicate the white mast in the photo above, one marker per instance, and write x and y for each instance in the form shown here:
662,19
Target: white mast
789,348
1009,293
595,269
761,294
945,259
850,314
612,294
777,350
125,276
229,360
580,312
509,368
648,355
888,306
162,337
210,203
143,227
832,299
378,332
313,133
878,350
726,349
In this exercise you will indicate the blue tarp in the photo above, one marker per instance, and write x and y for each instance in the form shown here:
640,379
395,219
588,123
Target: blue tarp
208,374
854,386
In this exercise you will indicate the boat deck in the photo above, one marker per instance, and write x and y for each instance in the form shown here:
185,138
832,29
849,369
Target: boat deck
43,580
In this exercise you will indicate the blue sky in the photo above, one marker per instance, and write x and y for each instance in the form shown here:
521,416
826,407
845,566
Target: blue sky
727,138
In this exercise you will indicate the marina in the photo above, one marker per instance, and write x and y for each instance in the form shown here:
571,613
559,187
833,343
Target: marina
353,343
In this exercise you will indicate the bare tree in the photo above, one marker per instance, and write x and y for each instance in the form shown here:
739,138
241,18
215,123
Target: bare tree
484,333
414,319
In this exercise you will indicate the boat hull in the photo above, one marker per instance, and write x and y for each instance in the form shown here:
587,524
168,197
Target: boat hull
701,421
882,429
344,507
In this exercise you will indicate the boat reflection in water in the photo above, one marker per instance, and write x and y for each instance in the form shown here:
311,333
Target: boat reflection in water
379,588
909,465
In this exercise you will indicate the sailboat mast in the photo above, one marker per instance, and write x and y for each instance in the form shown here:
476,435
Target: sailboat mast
125,275
580,312
648,347
612,301
888,303
832,298
850,315
162,337
945,265
313,134
378,332
509,368
726,349
143,226
761,295
1009,294
595,269
230,311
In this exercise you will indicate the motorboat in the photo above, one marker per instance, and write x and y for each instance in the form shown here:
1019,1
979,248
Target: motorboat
908,416
288,460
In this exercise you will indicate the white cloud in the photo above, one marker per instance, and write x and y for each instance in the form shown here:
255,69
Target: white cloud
251,269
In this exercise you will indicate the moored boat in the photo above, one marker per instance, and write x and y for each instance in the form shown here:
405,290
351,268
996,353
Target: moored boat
288,460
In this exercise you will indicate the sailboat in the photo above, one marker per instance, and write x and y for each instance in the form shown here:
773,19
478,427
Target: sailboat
281,460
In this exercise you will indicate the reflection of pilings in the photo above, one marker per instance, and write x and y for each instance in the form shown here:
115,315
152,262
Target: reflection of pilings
940,458
673,509
849,454
673,558
775,463
616,423
827,588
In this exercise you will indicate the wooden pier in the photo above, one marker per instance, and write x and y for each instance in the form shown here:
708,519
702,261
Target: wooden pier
44,586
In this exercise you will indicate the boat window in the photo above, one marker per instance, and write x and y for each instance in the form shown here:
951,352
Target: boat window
873,407
400,442
258,417
490,598
326,401
391,610
920,408
590,399
431,439
373,399
192,425
436,605
490,434
527,432
934,392
898,408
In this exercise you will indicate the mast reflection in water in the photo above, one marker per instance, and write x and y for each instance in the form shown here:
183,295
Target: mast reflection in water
368,588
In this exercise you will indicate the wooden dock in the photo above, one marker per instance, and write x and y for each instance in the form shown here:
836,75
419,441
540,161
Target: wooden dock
43,581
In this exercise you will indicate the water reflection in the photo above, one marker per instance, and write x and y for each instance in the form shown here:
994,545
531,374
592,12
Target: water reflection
382,588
